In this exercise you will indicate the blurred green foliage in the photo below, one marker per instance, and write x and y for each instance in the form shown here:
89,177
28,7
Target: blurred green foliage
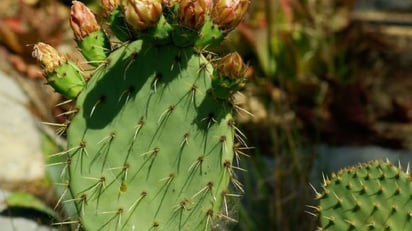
300,49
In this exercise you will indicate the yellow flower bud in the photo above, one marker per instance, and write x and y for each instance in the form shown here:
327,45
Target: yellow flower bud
48,56
143,14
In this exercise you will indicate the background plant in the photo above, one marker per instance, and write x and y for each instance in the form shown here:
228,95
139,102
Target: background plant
310,58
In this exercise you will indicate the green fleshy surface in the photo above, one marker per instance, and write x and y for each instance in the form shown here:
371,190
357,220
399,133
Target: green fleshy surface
167,88
209,35
67,80
119,26
95,47
372,196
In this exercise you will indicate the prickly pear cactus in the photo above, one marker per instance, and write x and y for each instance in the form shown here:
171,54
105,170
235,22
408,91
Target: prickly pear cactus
371,196
151,145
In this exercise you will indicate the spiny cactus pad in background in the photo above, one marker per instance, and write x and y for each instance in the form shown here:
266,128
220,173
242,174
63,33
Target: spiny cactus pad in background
152,143
371,196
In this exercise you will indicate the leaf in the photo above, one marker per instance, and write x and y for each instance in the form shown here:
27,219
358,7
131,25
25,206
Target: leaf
28,201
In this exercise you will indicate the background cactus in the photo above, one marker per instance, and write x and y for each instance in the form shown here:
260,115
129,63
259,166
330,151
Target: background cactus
151,145
371,196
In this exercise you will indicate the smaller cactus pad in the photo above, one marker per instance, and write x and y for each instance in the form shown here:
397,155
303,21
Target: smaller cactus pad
372,196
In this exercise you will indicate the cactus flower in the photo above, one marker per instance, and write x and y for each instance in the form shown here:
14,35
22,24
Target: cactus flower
143,14
232,66
192,13
48,56
82,21
228,13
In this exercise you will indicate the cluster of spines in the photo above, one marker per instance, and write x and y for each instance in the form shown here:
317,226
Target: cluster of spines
99,184
94,190
371,196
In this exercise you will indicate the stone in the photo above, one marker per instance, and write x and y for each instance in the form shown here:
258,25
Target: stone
20,141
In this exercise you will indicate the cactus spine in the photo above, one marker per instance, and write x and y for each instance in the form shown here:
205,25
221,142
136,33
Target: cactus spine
151,146
371,196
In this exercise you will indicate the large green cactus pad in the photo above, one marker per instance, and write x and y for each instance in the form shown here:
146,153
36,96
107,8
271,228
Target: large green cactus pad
150,147
371,196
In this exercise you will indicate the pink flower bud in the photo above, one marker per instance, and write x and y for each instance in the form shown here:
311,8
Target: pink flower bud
82,20
48,56
232,66
192,13
228,13
143,14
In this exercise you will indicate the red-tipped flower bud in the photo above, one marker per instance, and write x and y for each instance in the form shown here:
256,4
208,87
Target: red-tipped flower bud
232,66
192,13
82,21
227,14
143,14
48,56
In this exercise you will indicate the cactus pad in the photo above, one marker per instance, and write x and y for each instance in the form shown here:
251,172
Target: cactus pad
153,136
152,140
371,196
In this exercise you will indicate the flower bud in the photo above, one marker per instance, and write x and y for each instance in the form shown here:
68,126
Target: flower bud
48,56
170,3
63,75
109,5
192,13
231,66
143,14
82,20
229,76
227,14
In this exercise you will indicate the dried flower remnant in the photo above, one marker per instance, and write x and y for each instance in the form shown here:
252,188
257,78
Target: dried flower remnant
48,56
63,75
